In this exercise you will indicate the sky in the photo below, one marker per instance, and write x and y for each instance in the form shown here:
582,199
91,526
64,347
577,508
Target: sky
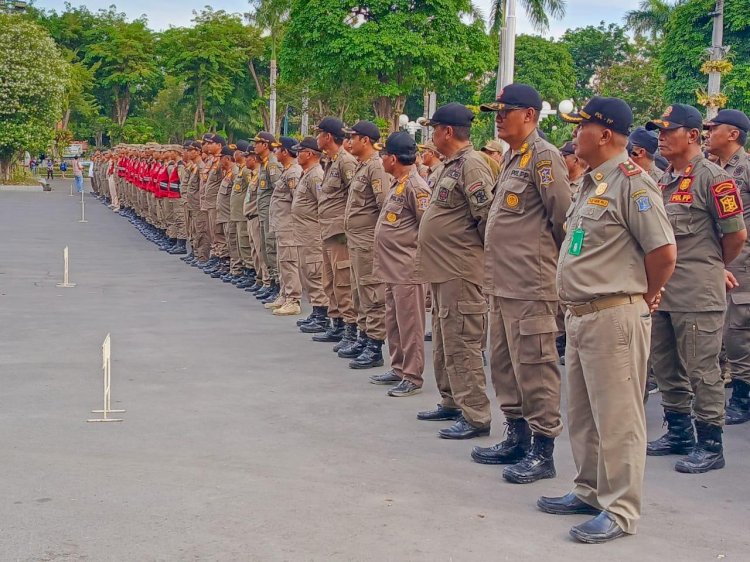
165,13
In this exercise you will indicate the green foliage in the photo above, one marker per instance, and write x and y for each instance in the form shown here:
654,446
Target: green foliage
593,48
687,36
33,79
538,12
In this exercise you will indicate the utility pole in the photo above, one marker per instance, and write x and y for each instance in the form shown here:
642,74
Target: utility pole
272,103
717,51
507,54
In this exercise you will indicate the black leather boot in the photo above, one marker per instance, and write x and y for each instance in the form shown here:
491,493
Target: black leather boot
738,409
264,292
371,357
334,332
350,337
188,257
273,295
318,324
679,438
708,453
179,248
353,349
312,316
512,450
536,465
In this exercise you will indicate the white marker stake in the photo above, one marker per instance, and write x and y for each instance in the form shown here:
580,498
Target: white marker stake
107,370
65,282
83,210
71,190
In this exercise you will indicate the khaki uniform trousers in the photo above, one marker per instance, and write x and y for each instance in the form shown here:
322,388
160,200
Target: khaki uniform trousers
404,326
168,216
256,240
202,246
243,243
459,314
291,285
737,335
337,279
311,274
605,362
216,233
189,226
368,294
268,248
233,247
685,350
523,362
178,218
113,192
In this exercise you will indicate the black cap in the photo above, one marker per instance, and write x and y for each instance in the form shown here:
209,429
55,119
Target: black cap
645,139
194,144
331,125
568,148
227,151
612,113
243,146
400,143
365,128
677,115
733,117
453,114
515,96
288,143
213,137
265,136
308,143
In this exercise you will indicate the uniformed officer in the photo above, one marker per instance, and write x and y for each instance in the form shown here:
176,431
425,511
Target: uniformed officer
576,166
398,263
236,216
200,243
705,210
432,159
617,255
337,176
451,242
250,210
307,234
282,225
211,176
644,147
727,135
522,241
233,266
367,191
269,171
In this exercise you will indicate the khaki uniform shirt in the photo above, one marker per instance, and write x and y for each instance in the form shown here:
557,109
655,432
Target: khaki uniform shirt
451,233
250,206
367,191
621,213
655,173
305,208
397,257
268,176
337,176
211,176
184,175
224,194
525,224
701,203
194,182
434,175
738,167
280,213
239,191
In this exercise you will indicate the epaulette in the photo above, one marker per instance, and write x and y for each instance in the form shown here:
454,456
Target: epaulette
630,168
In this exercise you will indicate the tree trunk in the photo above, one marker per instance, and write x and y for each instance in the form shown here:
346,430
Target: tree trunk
122,105
5,166
65,120
265,114
200,114
389,109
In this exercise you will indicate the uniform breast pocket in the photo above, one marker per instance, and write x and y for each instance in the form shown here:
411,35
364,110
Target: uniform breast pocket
301,188
392,214
332,186
514,196
681,218
224,189
444,193
593,222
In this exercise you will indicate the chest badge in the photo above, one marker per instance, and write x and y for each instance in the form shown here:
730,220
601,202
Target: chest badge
601,188
512,200
391,217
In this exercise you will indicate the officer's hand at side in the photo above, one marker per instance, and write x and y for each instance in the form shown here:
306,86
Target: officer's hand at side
730,280
653,301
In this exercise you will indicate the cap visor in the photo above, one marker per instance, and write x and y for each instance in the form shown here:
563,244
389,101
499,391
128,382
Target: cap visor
571,117
493,106
709,124
661,125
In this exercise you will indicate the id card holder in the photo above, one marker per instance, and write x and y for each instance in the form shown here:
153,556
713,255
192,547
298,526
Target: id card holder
576,242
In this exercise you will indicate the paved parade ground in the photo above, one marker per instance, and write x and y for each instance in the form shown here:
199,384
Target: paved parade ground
245,440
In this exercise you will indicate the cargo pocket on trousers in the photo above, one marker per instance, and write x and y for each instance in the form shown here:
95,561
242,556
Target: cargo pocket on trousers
474,320
537,339
343,273
739,312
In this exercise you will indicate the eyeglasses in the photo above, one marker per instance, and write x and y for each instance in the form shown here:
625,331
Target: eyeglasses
503,113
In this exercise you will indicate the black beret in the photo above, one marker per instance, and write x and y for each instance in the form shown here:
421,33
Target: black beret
308,143
331,125
400,143
288,143
265,136
515,96
732,117
366,129
612,113
453,114
677,115
645,139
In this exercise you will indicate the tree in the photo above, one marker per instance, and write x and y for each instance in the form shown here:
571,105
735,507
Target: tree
651,18
390,48
687,37
538,12
31,94
592,49
547,66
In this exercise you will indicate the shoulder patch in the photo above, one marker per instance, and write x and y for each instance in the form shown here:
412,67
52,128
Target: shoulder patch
630,168
544,170
377,186
423,201
727,198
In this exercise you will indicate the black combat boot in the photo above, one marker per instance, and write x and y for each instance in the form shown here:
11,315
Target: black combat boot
188,257
312,316
679,438
334,332
255,287
536,465
738,409
371,357
510,451
353,349
350,337
319,324
265,292
273,295
179,248
708,453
